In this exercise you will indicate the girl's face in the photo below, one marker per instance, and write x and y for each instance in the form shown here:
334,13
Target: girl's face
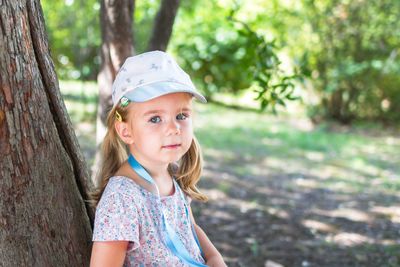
160,129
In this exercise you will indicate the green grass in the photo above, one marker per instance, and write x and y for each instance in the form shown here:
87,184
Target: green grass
349,158
81,100
248,143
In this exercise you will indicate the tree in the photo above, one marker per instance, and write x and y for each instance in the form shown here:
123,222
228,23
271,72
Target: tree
163,25
352,50
44,179
116,18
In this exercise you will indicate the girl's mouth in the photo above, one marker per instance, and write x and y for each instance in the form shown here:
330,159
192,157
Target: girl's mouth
173,146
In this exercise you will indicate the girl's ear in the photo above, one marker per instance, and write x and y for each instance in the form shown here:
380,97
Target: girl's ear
124,132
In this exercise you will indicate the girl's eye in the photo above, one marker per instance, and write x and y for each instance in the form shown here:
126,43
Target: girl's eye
155,119
181,116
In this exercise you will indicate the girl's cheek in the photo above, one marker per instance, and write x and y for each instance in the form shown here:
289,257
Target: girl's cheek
186,126
187,122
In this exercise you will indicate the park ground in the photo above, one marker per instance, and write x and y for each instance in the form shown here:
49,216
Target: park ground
286,192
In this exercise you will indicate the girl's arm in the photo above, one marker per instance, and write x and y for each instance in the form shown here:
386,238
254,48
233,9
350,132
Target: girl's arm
108,254
212,256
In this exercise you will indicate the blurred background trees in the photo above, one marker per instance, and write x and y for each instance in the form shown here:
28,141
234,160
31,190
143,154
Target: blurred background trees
352,54
340,56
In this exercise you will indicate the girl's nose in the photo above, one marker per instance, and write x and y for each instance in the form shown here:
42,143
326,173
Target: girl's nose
174,127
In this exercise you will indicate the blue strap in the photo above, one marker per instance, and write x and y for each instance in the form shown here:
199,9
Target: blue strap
176,245
172,240
140,170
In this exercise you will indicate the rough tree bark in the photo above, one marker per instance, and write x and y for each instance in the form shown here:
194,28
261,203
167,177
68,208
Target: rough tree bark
163,25
116,18
43,175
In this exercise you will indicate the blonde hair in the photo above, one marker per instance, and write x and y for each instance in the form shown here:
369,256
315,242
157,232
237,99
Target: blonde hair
114,153
189,171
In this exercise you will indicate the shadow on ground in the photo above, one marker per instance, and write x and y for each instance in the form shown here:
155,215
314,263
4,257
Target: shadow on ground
283,218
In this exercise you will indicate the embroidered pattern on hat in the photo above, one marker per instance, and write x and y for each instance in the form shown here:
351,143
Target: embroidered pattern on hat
155,67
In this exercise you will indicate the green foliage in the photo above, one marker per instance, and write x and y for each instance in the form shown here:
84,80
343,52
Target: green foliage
273,86
233,58
352,55
74,36
349,50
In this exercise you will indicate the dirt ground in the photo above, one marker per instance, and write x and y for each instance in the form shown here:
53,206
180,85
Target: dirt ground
266,221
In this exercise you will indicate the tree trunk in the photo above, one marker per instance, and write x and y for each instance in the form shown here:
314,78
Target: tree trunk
116,18
43,176
163,25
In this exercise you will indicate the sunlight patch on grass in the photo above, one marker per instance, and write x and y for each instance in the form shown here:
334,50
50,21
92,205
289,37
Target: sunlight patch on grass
346,239
289,164
85,128
307,183
80,100
319,226
79,88
393,212
218,154
349,214
244,206
315,156
81,112
215,194
280,213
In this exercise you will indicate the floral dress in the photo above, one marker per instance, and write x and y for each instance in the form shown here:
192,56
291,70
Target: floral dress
127,211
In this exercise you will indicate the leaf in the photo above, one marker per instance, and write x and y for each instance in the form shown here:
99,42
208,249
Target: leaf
280,102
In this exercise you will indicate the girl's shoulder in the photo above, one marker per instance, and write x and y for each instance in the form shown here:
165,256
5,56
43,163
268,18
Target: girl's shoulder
121,185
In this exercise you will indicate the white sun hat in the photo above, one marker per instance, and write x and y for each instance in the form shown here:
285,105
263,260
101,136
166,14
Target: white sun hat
150,75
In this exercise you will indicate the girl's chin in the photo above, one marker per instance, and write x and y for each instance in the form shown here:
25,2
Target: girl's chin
173,157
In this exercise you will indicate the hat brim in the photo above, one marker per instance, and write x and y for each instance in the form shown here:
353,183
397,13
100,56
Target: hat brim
150,91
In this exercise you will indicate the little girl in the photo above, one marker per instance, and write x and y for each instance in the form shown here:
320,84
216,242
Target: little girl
143,215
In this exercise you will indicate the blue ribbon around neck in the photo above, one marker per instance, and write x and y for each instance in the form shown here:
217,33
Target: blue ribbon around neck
171,239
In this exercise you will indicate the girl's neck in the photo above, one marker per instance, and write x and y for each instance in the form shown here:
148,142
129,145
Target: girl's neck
159,172
160,175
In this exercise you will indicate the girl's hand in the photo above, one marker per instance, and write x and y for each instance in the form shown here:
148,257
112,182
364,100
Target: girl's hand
216,261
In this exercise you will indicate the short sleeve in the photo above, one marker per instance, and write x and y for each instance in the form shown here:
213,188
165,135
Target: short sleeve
116,219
